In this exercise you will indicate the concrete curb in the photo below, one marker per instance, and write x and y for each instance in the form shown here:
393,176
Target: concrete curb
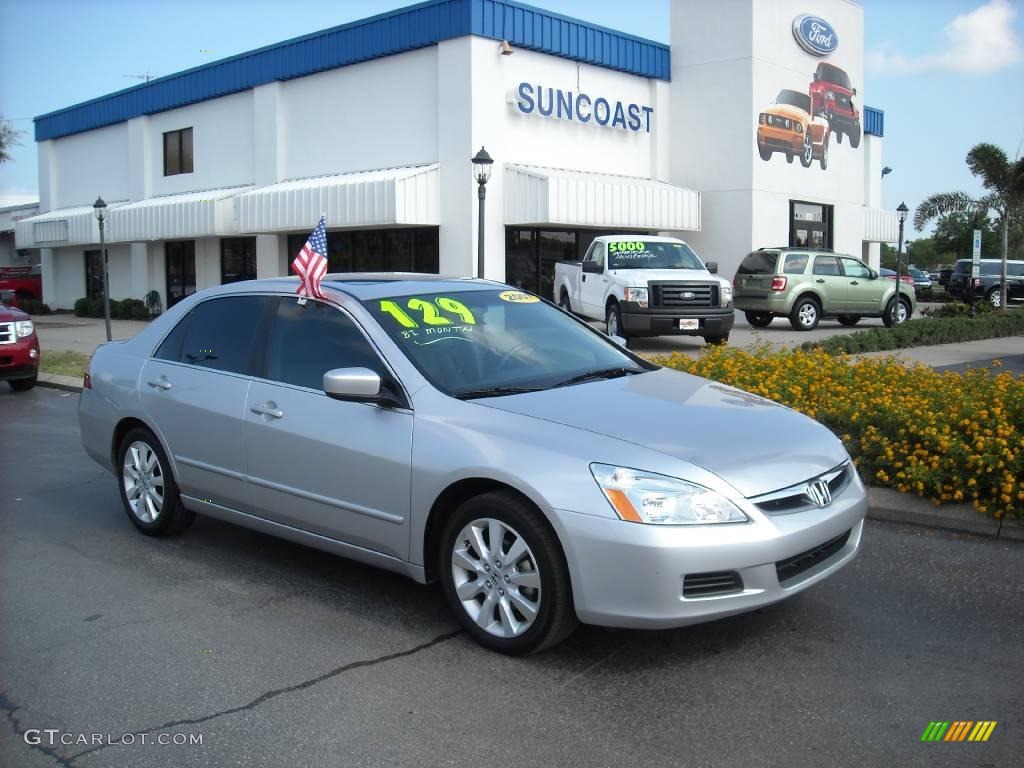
894,507
53,381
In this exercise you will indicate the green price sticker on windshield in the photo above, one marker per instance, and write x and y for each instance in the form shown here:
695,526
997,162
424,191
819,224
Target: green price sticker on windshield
429,311
626,245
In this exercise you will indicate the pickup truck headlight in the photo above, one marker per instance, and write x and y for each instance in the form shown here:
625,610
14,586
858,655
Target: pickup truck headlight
647,497
639,295
23,328
724,295
830,95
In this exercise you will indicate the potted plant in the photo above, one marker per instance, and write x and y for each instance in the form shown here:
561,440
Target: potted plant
153,303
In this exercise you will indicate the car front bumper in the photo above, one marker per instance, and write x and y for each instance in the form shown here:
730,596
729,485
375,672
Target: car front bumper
780,139
19,360
711,321
635,575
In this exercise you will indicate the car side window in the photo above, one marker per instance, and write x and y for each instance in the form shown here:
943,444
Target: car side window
1015,270
794,264
854,268
308,340
596,254
220,334
826,265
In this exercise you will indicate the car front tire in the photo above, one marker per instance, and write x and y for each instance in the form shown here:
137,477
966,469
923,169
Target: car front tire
764,152
891,318
807,154
805,315
148,491
504,575
994,297
23,385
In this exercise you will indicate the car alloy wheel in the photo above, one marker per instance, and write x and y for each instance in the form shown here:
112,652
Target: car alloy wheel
143,479
496,577
612,321
823,161
805,315
807,155
995,298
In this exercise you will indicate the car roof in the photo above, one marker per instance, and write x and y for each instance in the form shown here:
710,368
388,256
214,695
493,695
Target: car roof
368,285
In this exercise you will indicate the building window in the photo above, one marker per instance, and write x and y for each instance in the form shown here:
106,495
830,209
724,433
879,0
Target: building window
178,152
413,249
237,259
180,268
93,275
810,225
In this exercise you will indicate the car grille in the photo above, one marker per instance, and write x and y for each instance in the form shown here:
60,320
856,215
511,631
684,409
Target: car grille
7,333
711,584
779,122
684,295
798,498
792,567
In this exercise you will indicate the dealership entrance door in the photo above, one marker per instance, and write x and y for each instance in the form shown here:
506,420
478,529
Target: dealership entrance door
180,270
810,225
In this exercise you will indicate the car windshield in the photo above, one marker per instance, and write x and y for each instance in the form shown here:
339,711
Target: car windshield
834,75
638,254
495,342
795,99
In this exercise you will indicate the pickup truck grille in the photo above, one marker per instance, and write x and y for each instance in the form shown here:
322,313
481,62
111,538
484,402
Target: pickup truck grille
7,333
684,295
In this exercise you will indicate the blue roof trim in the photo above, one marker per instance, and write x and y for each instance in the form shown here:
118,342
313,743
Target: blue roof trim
405,29
874,121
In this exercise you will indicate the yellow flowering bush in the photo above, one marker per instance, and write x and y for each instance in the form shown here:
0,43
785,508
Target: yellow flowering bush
946,436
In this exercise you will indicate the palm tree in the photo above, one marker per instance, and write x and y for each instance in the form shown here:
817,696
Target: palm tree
1004,180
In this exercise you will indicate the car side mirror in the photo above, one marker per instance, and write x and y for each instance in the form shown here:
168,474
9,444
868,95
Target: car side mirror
591,266
360,384
816,77
620,340
854,91
712,267
873,274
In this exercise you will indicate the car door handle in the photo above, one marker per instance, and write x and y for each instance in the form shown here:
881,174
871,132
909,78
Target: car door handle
267,409
854,282
820,280
583,278
160,383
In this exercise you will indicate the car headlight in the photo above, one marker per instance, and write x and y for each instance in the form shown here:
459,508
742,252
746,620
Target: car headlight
798,127
724,294
639,295
831,95
647,497
761,118
23,328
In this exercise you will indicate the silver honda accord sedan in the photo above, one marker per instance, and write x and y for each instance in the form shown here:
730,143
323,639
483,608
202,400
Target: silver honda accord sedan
467,432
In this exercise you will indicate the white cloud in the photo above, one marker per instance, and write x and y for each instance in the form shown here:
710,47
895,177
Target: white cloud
978,42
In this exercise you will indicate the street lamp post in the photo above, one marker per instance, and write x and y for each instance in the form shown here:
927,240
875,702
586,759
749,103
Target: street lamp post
902,211
100,208
481,172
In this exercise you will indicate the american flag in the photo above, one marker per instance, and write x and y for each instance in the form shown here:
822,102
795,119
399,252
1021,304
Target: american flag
311,263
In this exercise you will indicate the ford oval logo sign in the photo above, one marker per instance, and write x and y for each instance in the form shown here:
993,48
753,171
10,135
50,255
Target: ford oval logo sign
815,35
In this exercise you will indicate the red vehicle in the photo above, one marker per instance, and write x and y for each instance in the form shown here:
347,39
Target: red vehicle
19,349
24,282
832,96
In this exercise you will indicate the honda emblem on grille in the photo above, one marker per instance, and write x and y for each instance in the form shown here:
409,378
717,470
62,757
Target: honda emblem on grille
819,493
688,294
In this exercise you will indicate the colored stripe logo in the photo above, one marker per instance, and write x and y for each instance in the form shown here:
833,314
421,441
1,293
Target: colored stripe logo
959,730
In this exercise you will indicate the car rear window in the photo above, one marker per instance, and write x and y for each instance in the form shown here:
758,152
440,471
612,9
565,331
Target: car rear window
759,263
962,268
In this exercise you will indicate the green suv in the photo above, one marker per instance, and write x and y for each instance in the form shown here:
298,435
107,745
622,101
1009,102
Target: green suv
806,285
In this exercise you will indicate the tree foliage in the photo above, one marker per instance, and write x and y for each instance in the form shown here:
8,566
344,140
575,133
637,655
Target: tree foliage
8,138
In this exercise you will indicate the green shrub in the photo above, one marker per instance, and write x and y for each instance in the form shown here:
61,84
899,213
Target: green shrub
34,307
924,332
95,307
958,309
81,307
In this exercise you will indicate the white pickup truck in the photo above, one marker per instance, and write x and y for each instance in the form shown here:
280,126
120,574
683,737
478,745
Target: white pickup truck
644,285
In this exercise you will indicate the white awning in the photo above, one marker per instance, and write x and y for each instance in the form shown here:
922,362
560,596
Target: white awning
60,227
536,195
192,214
880,226
408,196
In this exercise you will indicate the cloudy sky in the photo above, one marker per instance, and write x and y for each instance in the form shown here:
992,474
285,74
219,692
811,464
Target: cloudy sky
948,73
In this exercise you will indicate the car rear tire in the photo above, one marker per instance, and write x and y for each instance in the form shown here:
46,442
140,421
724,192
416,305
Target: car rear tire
891,318
504,575
759,319
148,491
717,340
564,302
807,154
848,320
764,152
613,321
23,385
805,315
993,297
823,160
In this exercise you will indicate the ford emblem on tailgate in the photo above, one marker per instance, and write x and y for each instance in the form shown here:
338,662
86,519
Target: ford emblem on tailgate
815,35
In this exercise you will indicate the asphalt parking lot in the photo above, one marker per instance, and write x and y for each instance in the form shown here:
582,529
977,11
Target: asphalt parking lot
283,656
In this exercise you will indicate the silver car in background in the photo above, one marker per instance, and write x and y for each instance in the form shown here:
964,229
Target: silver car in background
462,431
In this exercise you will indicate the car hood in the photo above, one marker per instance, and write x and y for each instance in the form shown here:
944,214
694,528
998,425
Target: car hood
641,277
752,443
788,110
11,314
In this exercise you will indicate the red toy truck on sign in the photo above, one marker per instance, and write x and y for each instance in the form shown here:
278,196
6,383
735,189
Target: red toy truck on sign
832,96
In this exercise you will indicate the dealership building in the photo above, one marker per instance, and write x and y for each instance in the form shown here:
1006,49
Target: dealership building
749,130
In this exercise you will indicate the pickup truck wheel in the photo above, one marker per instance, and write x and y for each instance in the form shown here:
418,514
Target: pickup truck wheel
848,320
759,319
839,137
148,491
805,314
823,160
22,385
613,321
718,340
564,303
504,575
855,138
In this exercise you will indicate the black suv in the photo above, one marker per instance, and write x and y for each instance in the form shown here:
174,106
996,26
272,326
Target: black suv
991,269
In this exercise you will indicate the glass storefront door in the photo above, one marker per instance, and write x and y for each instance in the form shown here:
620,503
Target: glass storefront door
180,270
810,225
